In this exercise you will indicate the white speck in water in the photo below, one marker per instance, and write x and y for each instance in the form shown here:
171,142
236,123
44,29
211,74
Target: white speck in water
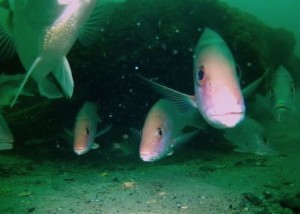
249,64
125,136
175,52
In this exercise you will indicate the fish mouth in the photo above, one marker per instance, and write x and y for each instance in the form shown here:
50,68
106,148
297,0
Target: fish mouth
282,113
149,157
80,151
227,120
6,146
282,107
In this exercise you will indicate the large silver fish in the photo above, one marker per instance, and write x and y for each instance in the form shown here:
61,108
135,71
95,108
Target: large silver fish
85,130
163,130
43,33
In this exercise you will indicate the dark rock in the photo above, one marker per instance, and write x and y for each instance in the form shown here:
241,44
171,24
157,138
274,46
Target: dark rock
292,202
253,199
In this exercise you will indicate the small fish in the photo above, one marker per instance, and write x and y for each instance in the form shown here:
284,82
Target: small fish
163,130
6,137
282,95
85,130
249,136
43,33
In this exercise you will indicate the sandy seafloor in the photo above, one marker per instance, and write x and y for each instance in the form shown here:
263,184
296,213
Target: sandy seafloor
202,180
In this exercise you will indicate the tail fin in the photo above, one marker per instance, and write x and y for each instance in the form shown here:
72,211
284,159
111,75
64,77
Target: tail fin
63,75
47,88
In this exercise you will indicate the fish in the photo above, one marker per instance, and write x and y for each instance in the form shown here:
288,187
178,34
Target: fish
250,137
282,95
6,136
163,130
85,129
8,88
43,32
215,83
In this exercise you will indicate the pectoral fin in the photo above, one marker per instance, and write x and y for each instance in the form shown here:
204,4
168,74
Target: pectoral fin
103,131
95,146
183,101
253,86
239,149
69,132
171,153
185,137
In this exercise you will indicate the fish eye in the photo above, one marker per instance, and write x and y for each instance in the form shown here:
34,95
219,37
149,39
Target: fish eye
87,131
292,89
159,132
264,140
201,75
